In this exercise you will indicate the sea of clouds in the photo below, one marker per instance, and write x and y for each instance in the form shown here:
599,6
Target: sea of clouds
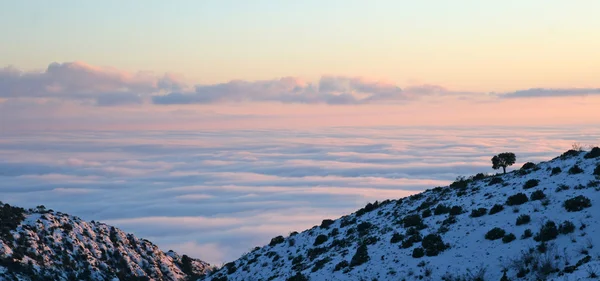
217,194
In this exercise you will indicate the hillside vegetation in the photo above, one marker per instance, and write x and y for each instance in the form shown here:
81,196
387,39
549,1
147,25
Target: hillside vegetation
539,222
40,244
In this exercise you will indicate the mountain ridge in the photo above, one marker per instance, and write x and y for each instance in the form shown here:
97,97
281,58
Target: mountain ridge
539,222
40,244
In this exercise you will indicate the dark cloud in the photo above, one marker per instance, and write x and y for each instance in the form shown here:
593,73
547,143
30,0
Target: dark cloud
543,92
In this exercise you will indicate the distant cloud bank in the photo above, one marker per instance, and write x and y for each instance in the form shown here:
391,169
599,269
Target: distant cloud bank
80,81
541,92
104,86
329,90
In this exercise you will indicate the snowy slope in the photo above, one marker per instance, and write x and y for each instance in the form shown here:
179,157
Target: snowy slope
375,242
40,244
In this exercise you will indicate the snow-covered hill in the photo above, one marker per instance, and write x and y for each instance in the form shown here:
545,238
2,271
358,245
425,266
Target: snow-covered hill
40,244
540,222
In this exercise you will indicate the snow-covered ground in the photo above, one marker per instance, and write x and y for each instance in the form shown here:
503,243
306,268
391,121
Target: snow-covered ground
330,252
56,246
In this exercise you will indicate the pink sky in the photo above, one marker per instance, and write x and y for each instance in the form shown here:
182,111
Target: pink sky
82,96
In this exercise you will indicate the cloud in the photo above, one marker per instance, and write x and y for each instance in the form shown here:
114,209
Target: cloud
80,81
75,191
217,194
543,92
329,90
113,99
106,87
212,253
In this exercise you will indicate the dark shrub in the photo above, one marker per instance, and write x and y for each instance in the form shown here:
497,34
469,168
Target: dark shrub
407,243
548,232
67,227
456,210
542,247
411,240
361,256
496,209
297,261
575,170
320,264
577,203
412,220
314,253
298,277
597,170
496,180
10,218
531,183
495,233
277,240
370,240
426,213
528,166
475,213
479,176
443,229
363,228
425,205
368,208
527,234
595,152
569,153
320,240
537,195
566,227
326,223
562,187
460,183
396,237
231,268
449,220
593,183
346,221
517,199
433,245
556,171
414,197
418,253
508,238
441,209
412,231
415,238
523,219
341,265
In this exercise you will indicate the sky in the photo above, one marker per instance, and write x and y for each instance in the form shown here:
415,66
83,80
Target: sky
196,114
466,45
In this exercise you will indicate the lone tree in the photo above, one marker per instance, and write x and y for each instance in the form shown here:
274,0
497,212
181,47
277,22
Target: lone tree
503,160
